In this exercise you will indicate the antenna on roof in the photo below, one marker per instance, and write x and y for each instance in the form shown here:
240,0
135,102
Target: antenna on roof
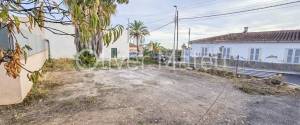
246,29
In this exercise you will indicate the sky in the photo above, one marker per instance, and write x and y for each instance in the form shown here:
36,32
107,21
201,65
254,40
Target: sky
156,13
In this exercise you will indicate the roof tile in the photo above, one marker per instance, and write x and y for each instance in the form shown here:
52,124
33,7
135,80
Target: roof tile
268,36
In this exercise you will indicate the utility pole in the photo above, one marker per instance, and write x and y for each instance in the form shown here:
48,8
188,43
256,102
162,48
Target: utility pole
128,23
189,37
128,37
175,29
237,65
188,47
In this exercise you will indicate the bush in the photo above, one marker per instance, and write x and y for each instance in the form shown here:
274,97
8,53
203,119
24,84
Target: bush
87,59
149,60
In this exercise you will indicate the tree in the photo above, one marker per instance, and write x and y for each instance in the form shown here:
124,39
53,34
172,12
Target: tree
156,47
92,23
138,30
91,19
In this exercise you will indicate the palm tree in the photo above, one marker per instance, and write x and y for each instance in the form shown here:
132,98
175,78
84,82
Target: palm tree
156,47
138,30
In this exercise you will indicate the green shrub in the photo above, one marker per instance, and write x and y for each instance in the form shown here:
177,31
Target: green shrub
87,59
149,60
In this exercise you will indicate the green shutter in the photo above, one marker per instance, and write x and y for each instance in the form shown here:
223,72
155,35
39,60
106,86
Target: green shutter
114,53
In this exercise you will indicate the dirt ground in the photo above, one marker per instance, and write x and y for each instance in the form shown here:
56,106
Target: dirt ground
151,96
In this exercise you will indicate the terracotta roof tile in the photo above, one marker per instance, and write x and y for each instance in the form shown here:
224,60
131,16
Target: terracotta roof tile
283,36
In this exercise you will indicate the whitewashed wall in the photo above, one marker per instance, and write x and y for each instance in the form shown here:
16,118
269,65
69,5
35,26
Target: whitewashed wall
243,50
61,46
15,90
64,47
122,46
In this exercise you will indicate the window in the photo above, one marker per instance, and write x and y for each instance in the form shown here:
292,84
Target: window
252,54
204,52
297,56
293,56
290,55
114,52
226,53
255,54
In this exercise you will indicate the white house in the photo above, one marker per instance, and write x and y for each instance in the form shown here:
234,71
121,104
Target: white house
62,46
270,46
118,49
15,90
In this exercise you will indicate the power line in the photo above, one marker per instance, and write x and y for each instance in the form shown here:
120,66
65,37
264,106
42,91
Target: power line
162,26
229,13
243,7
158,20
253,12
242,11
205,3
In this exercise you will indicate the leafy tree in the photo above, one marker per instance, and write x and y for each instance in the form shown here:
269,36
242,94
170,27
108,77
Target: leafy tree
138,30
91,19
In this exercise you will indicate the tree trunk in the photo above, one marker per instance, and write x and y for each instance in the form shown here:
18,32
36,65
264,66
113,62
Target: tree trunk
137,46
95,44
77,40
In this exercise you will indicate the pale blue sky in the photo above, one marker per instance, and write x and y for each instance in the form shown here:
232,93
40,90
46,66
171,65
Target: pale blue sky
156,13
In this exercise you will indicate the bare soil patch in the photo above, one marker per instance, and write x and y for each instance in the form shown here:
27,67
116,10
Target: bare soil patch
149,96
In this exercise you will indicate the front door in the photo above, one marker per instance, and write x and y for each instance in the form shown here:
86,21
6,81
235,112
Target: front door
114,52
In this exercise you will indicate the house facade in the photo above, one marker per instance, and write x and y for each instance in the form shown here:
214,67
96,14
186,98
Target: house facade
62,46
274,47
118,49
15,90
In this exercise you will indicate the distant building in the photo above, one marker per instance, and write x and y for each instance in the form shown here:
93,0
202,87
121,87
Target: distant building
15,90
279,47
133,50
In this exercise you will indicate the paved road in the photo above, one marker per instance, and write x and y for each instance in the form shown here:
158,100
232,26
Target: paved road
295,79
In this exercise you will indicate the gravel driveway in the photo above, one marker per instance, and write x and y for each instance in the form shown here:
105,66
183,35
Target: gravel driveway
152,96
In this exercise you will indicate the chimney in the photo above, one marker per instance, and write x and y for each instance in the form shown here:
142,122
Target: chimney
246,29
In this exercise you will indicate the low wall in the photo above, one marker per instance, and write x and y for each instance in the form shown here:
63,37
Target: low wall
293,68
13,91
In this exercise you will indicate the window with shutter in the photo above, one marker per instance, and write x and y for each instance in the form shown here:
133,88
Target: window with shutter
252,54
297,56
290,55
293,56
204,51
226,53
255,54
